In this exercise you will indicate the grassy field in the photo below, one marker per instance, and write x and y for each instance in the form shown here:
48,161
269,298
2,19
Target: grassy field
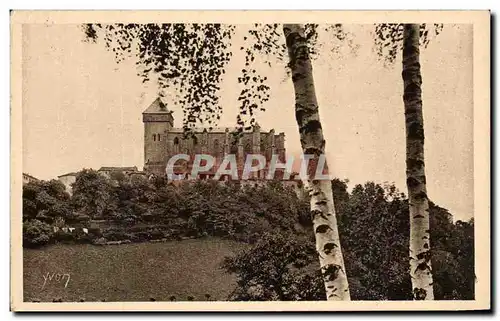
130,272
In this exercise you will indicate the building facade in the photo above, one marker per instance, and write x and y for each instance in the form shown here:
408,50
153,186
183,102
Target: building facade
68,179
109,171
162,141
27,178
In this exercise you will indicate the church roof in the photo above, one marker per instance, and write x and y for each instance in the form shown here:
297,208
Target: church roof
157,107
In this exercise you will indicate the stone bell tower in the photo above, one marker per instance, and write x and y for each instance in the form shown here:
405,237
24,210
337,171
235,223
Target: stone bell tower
158,120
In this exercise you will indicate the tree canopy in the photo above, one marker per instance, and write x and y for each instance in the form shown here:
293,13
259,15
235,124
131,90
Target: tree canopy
373,224
190,60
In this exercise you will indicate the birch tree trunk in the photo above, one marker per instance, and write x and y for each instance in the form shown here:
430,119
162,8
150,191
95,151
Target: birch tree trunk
313,143
420,257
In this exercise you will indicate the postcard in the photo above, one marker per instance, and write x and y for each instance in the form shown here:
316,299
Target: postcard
250,160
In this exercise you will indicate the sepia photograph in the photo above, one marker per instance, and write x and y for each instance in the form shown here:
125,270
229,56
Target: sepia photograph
250,160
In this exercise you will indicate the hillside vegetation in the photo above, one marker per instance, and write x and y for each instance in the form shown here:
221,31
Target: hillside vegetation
271,223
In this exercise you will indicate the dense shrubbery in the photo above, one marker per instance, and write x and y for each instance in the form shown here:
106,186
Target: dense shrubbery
143,210
374,230
282,264
46,201
36,233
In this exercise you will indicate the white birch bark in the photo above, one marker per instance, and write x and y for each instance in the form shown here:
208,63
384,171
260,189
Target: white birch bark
420,255
313,143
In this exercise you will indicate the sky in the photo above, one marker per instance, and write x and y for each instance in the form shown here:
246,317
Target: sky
82,110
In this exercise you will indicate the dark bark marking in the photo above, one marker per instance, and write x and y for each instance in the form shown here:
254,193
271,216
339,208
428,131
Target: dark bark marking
300,113
410,111
414,163
412,71
426,255
412,182
328,248
312,151
423,267
315,213
312,126
416,131
323,228
291,38
412,91
321,202
298,76
410,49
419,294
331,272
421,195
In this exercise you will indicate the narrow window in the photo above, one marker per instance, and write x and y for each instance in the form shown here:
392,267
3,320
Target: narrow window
176,145
216,150
154,137
248,147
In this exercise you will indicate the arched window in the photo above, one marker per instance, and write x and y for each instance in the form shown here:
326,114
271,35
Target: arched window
176,141
154,137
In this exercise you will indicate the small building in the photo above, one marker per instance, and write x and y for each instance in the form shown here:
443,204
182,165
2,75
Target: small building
109,171
27,178
68,179
138,175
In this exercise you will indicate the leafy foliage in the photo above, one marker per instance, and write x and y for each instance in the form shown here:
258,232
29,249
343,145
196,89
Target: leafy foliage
191,59
92,194
389,38
264,46
374,229
139,209
188,58
188,61
276,269
36,233
45,201
281,264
